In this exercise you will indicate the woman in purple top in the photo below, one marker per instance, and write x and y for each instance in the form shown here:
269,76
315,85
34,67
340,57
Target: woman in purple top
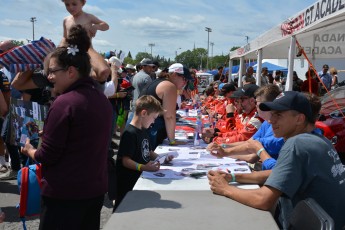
75,141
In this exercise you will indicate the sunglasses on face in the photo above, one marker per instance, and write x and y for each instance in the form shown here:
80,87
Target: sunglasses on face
181,75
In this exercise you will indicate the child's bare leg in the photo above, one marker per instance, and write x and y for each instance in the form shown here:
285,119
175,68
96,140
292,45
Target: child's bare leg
122,128
99,66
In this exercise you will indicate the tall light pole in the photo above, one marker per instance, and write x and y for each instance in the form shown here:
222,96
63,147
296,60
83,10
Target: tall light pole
151,45
247,38
33,19
212,44
208,30
176,52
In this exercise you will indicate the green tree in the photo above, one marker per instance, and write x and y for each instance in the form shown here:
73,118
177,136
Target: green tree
195,59
129,60
129,55
235,61
219,60
141,55
18,43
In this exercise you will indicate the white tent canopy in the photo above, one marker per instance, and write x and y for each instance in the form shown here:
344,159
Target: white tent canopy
319,29
324,32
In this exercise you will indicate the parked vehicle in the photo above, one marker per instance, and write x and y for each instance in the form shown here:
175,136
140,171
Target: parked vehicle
332,119
204,80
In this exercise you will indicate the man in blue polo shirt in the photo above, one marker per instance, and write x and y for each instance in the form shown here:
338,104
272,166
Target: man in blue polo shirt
326,78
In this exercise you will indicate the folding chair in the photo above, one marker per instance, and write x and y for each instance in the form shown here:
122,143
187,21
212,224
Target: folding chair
308,214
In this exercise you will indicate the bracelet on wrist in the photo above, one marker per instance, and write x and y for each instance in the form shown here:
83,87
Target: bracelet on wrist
138,167
172,142
233,177
259,152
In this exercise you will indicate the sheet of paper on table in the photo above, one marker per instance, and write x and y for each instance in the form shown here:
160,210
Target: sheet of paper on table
196,163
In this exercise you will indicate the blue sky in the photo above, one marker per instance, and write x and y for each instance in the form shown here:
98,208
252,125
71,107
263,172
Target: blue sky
173,26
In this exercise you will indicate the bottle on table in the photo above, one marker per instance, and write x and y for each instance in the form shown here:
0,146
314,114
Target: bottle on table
196,101
198,129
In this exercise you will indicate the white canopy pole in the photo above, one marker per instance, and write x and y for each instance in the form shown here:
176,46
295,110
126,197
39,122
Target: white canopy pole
292,51
258,68
230,69
240,71
230,79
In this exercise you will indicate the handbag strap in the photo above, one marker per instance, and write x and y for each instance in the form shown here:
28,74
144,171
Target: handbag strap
39,174
28,162
24,191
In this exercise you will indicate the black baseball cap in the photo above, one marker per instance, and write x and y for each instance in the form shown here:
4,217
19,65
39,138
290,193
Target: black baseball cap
325,66
289,100
245,91
146,62
229,87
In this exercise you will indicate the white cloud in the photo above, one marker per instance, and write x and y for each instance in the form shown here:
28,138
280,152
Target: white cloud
14,23
95,10
103,43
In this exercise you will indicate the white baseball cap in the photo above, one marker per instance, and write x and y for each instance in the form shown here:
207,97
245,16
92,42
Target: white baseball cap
115,60
180,69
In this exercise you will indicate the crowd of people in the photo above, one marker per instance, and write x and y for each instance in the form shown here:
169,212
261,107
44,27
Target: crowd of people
90,97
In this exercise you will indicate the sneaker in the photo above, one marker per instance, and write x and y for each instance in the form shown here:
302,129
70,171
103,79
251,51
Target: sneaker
3,169
9,175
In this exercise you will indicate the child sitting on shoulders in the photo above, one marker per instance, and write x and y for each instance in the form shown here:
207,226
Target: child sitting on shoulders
135,154
91,23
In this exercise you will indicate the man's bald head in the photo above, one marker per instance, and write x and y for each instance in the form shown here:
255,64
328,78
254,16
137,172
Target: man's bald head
6,45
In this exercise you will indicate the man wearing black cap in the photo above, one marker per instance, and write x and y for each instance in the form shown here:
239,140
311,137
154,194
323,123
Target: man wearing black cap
154,70
142,78
326,78
250,121
308,165
226,89
264,137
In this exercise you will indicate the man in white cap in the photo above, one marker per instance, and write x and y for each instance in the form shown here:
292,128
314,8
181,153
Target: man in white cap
130,72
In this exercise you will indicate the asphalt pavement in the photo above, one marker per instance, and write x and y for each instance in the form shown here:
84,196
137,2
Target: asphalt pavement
9,199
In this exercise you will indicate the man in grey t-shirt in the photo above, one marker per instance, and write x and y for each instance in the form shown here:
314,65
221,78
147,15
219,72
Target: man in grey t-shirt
142,78
308,166
139,81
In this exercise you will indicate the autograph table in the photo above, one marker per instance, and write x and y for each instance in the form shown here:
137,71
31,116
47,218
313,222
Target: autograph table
170,200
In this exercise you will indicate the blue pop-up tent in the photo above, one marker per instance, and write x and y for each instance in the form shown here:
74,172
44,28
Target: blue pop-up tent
271,67
235,68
